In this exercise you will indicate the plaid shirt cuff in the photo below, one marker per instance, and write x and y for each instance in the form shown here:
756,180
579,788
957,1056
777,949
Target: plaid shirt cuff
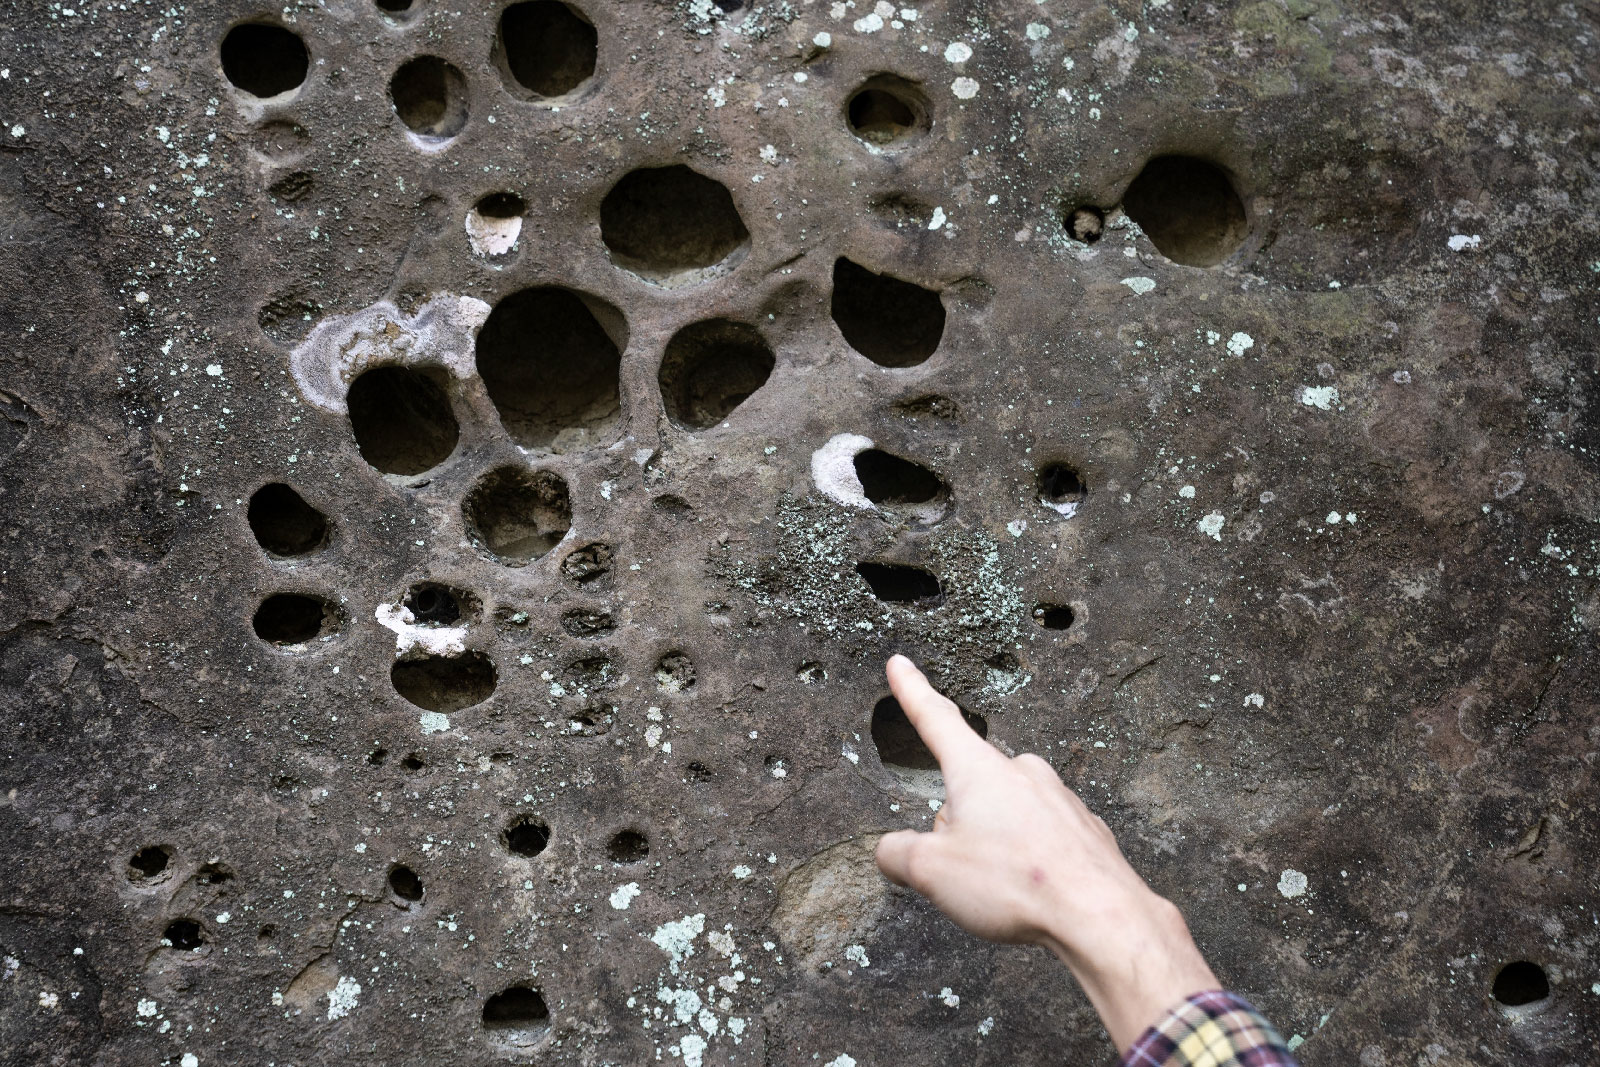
1215,1029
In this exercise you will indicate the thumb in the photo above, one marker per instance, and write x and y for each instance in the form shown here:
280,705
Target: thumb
894,855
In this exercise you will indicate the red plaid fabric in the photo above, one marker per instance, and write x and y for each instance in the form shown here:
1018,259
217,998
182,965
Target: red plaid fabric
1215,1029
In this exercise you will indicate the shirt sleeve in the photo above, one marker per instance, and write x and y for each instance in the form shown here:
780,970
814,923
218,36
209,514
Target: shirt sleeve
1214,1029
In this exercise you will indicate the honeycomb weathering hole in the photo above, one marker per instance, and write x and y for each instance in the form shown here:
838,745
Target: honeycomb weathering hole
1054,616
430,96
1189,210
1061,488
435,604
545,48
628,846
1520,983
675,673
401,419
710,368
149,862
887,112
517,515
672,226
185,935
898,583
894,323
404,883
288,619
888,480
283,523
495,223
552,367
445,683
518,1014
526,836
264,60
1085,224
902,751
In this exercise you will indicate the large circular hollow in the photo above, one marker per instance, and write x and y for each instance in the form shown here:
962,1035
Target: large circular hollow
429,96
1520,983
283,523
289,620
517,1016
401,418
709,369
264,60
552,368
445,683
517,515
901,750
892,322
526,836
887,112
672,226
1189,209
545,49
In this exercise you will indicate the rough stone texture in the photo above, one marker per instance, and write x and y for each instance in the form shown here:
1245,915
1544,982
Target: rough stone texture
1398,704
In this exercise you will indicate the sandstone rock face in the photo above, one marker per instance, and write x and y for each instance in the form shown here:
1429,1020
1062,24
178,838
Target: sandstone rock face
463,466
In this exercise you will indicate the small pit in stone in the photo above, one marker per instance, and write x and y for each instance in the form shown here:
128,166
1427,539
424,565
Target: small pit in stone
1189,209
527,836
517,1015
892,322
214,874
902,751
551,366
516,515
588,565
284,524
404,883
1086,224
675,673
890,481
413,763
1053,616
592,721
495,223
401,418
898,583
710,368
545,49
289,619
445,683
185,935
1519,984
587,622
1061,488
888,112
429,96
149,863
264,60
672,226
628,846
436,604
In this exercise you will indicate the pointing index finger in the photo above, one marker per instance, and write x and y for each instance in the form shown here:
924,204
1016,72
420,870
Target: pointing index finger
935,717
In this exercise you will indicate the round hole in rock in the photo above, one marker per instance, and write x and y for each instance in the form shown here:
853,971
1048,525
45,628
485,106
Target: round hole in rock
888,480
897,583
518,1014
892,322
1061,488
709,369
1086,224
628,846
445,683
887,112
284,524
495,223
552,367
149,862
672,226
214,874
518,515
293,619
526,836
264,60
401,418
377,757
902,751
430,96
413,763
675,673
404,883
1053,616
1189,210
184,935
545,48
592,721
435,604
394,7
1520,982
588,565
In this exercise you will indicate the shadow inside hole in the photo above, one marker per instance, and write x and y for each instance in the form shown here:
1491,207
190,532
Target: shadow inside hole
495,223
902,752
214,874
517,515
185,935
890,481
1519,984
897,583
289,619
445,683
1085,224
264,60
527,836
430,97
892,322
545,48
710,368
413,763
592,721
588,565
394,7
1053,616
149,863
517,1015
1189,210
404,883
628,846
401,419
377,757
887,112
1061,488
672,226
283,523
435,604
675,673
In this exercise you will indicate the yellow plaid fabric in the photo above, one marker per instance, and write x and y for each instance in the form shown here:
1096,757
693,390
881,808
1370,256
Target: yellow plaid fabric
1214,1029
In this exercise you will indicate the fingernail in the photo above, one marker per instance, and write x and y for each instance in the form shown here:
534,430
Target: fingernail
901,658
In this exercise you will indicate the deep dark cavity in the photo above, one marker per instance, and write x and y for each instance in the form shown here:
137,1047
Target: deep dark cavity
214,874
709,369
546,48
589,565
526,836
294,618
264,60
698,773
501,206
1085,224
897,740
894,323
404,883
377,757
520,1012
675,673
672,226
1061,484
888,480
1189,210
1053,616
401,419
551,368
728,7
413,763
430,97
445,683
518,515
185,935
897,583
1520,982
284,524
593,721
395,7
888,112
587,622
628,846
435,604
149,862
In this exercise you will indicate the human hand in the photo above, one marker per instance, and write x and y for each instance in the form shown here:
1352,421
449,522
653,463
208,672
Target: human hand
1015,856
